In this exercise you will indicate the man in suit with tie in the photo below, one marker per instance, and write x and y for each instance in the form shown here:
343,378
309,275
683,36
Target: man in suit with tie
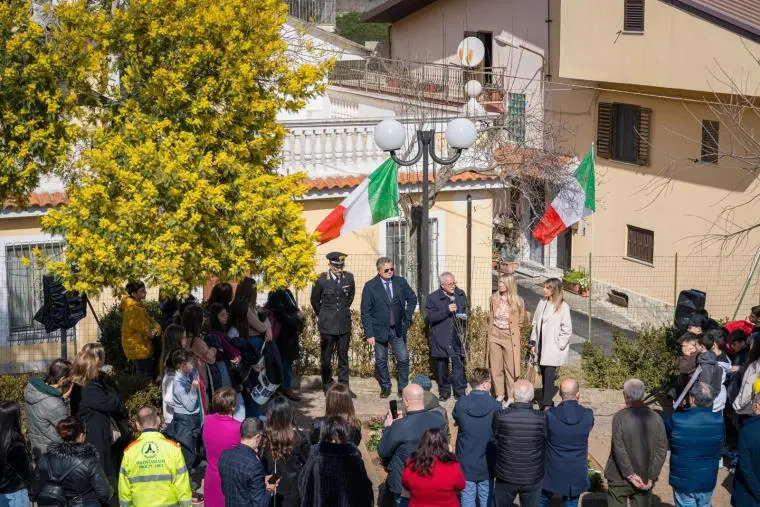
387,308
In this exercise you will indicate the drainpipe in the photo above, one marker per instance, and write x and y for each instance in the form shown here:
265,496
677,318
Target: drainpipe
548,71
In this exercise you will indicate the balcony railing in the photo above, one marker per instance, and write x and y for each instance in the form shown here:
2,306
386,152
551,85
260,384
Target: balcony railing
319,12
428,81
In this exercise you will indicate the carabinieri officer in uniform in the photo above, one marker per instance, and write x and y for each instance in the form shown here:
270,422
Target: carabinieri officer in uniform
331,298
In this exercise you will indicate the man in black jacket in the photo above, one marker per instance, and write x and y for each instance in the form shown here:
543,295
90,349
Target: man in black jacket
401,437
331,298
520,434
387,308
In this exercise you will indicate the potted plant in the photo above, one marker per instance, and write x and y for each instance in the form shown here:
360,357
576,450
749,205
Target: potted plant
577,281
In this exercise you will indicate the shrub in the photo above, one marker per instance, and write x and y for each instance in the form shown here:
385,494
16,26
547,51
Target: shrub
110,335
649,357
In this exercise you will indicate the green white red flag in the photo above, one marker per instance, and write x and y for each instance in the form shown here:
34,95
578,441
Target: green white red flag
574,202
374,200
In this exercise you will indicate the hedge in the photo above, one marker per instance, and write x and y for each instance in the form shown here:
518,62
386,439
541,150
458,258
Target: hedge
650,356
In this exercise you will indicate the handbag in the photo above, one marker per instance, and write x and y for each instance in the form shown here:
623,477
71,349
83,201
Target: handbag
115,431
52,493
531,371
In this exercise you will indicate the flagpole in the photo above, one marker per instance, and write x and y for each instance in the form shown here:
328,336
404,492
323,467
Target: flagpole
591,250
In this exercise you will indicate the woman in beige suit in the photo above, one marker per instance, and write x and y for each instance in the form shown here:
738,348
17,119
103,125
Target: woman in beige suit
550,336
504,323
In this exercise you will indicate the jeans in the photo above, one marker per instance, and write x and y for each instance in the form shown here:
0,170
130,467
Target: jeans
567,501
457,375
548,373
683,499
144,368
328,343
398,344
473,491
504,494
18,498
401,502
287,373
185,430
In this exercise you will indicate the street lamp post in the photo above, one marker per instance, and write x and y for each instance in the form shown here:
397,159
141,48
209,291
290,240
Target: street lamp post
390,136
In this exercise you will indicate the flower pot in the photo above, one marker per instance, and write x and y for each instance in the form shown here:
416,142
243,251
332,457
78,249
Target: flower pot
571,287
584,292
508,267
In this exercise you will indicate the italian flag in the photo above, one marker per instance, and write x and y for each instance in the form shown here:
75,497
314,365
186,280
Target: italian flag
374,200
574,202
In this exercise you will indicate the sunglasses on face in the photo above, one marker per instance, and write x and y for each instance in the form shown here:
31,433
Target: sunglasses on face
388,270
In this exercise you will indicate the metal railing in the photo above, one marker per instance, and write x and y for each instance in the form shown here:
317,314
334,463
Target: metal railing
429,81
319,12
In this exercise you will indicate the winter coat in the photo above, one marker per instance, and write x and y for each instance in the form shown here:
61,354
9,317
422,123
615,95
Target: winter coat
96,403
445,341
85,485
696,436
331,301
516,318
335,476
401,439
44,408
220,433
376,310
439,489
286,319
287,491
551,333
568,426
520,434
354,432
243,478
639,445
747,477
473,415
711,373
743,401
136,325
15,466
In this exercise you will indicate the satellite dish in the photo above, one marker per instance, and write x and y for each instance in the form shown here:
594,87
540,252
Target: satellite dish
471,52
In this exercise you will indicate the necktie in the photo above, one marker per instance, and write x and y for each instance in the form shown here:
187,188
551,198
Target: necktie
390,299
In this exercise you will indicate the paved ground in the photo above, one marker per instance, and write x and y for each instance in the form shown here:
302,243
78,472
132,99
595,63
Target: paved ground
604,403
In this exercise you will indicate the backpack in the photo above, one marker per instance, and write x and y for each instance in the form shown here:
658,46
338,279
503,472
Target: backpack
52,493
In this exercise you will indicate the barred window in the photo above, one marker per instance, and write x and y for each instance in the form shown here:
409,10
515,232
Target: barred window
24,281
640,244
516,117
396,247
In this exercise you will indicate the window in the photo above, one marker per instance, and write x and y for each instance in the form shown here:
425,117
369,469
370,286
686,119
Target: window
396,247
623,132
516,117
633,16
710,141
25,290
640,244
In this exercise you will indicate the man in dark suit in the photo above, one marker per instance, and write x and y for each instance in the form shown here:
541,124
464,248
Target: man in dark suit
387,308
446,312
331,298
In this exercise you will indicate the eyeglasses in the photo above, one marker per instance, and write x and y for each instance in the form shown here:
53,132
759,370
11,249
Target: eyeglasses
448,284
388,270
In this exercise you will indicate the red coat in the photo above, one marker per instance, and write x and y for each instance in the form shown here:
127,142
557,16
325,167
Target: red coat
437,490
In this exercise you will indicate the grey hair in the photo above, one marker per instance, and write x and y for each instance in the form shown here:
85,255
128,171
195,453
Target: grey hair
250,428
444,276
703,394
634,389
523,391
383,260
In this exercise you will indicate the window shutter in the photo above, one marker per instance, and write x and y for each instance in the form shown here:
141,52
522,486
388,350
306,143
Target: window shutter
642,140
710,141
604,130
633,17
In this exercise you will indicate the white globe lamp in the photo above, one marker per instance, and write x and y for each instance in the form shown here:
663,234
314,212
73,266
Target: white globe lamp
473,88
461,133
390,135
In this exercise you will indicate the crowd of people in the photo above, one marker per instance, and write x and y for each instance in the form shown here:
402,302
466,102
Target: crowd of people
226,433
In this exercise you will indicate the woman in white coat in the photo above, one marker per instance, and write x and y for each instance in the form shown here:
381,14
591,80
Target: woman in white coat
550,336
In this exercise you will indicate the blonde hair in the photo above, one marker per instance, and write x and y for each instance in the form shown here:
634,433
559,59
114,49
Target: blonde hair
87,364
513,300
555,285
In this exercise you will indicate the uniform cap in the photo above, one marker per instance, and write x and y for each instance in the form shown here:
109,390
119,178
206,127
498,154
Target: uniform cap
337,259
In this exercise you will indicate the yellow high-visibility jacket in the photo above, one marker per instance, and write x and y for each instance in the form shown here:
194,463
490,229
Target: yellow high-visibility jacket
136,324
153,473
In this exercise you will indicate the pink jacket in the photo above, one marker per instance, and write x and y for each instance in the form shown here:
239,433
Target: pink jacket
220,432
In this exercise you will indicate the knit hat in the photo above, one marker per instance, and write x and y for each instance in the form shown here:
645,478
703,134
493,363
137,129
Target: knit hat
423,381
756,387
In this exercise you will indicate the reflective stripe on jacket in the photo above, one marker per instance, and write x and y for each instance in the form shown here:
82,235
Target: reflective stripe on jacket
153,473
